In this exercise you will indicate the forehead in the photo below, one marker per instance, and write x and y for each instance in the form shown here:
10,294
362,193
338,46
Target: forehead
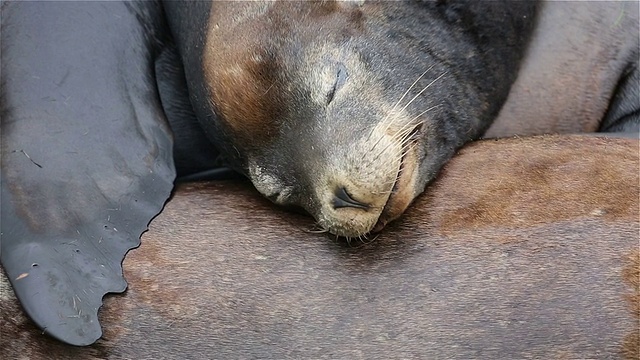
235,13
253,50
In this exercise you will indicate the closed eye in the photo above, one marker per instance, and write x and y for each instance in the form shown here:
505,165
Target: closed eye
341,78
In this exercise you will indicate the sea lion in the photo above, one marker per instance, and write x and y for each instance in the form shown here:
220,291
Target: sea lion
486,265
96,123
349,109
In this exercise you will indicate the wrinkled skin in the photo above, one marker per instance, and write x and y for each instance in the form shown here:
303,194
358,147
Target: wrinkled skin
486,265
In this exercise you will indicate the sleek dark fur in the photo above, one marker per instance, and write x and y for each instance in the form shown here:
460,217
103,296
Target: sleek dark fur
490,39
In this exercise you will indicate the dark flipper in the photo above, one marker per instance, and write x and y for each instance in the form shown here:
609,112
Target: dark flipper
86,153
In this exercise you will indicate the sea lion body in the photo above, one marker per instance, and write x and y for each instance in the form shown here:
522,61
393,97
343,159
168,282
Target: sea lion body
581,72
486,265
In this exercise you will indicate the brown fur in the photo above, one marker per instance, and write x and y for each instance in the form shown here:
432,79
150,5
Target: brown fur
523,248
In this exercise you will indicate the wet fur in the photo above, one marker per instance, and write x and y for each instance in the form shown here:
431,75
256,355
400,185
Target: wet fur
532,256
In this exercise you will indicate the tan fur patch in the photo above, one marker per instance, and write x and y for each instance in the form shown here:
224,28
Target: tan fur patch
241,71
535,189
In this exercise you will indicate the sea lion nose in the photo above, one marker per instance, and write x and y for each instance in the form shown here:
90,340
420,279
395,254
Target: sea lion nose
342,199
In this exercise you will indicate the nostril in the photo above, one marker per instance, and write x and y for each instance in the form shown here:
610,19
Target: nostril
342,199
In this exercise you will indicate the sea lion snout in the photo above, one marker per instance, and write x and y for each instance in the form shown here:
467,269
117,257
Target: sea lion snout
349,187
365,185
342,199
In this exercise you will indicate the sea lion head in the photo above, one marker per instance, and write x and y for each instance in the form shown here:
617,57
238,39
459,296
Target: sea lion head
346,109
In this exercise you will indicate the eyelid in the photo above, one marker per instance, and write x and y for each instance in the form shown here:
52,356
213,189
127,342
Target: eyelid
341,78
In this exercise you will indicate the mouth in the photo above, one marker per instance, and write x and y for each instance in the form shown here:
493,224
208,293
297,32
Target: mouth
344,218
402,192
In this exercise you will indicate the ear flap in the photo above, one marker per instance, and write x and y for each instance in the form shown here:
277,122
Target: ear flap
86,154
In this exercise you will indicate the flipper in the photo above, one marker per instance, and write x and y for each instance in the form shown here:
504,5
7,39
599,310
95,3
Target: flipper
86,153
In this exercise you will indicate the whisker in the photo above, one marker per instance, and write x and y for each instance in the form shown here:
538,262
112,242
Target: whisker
423,90
410,87
317,231
406,147
424,112
405,106
403,133
369,241
400,100
374,238
382,135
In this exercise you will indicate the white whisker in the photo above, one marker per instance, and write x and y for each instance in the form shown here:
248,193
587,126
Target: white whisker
423,90
410,87
388,124
400,100
424,112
